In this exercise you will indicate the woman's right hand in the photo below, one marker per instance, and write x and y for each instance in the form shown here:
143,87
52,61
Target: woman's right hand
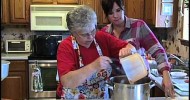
127,50
102,62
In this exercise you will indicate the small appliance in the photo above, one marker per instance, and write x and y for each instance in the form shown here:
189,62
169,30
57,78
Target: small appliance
46,45
17,46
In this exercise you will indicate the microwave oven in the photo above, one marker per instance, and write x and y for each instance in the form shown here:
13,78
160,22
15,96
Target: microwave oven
17,46
49,17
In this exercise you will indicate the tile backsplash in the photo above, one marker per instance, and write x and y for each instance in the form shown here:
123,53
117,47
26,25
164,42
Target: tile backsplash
16,33
24,33
173,44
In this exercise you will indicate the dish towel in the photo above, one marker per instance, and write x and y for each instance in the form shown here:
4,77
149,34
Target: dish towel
37,79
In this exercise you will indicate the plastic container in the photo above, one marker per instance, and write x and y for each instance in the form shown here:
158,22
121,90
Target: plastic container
4,69
134,67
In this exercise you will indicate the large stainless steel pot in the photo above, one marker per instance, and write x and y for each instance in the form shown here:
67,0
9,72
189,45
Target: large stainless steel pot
122,90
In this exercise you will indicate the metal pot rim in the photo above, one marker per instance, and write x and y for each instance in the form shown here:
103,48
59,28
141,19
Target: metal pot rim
147,81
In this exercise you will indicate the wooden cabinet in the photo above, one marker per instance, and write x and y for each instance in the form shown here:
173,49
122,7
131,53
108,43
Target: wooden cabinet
134,8
15,11
54,1
157,13
156,92
4,11
15,86
161,13
96,5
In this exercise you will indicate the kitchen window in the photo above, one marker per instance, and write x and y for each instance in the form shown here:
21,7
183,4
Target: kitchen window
186,20
185,14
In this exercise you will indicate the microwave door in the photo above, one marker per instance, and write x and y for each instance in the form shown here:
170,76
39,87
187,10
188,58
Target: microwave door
48,21
16,46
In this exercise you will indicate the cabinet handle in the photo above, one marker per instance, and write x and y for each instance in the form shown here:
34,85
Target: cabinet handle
166,21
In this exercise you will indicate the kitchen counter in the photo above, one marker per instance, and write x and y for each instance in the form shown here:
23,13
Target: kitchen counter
163,98
151,98
15,56
179,93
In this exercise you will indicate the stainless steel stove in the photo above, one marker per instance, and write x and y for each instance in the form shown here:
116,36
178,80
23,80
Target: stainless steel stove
48,70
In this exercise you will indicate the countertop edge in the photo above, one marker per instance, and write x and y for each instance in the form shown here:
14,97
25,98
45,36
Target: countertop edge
158,82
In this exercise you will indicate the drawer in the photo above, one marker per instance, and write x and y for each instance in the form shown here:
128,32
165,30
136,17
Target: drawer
17,65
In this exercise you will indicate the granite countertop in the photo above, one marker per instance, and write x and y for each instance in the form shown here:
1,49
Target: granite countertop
163,98
14,56
151,98
179,93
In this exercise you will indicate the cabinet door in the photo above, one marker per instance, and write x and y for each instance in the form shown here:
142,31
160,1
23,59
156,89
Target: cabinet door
19,11
96,5
13,86
134,8
100,14
4,11
67,1
166,13
160,13
54,1
150,12
90,3
42,1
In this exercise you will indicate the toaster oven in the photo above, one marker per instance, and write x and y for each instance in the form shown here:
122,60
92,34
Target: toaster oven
17,46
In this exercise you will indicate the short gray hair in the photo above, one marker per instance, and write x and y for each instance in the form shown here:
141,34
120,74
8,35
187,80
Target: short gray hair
81,18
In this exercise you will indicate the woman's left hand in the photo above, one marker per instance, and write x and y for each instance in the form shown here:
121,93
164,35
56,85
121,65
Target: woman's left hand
168,85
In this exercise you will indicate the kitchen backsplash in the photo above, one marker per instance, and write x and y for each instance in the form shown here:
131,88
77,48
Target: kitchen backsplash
173,44
16,33
25,33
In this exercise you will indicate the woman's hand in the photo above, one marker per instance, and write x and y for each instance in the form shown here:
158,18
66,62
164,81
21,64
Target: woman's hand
187,81
168,85
102,62
126,51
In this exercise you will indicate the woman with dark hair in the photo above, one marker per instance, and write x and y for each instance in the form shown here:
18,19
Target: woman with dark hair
136,32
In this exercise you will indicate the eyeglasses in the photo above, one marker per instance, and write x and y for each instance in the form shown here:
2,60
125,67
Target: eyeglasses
85,35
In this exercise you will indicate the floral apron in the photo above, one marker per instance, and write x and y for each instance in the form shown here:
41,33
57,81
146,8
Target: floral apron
94,87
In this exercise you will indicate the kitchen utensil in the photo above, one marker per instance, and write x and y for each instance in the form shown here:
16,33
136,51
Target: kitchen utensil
121,89
134,67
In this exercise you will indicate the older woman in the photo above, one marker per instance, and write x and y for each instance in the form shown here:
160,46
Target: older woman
84,57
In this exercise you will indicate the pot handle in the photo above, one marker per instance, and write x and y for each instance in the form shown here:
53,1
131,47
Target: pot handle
109,85
152,84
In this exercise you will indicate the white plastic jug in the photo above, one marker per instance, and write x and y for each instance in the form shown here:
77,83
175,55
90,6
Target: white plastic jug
134,67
